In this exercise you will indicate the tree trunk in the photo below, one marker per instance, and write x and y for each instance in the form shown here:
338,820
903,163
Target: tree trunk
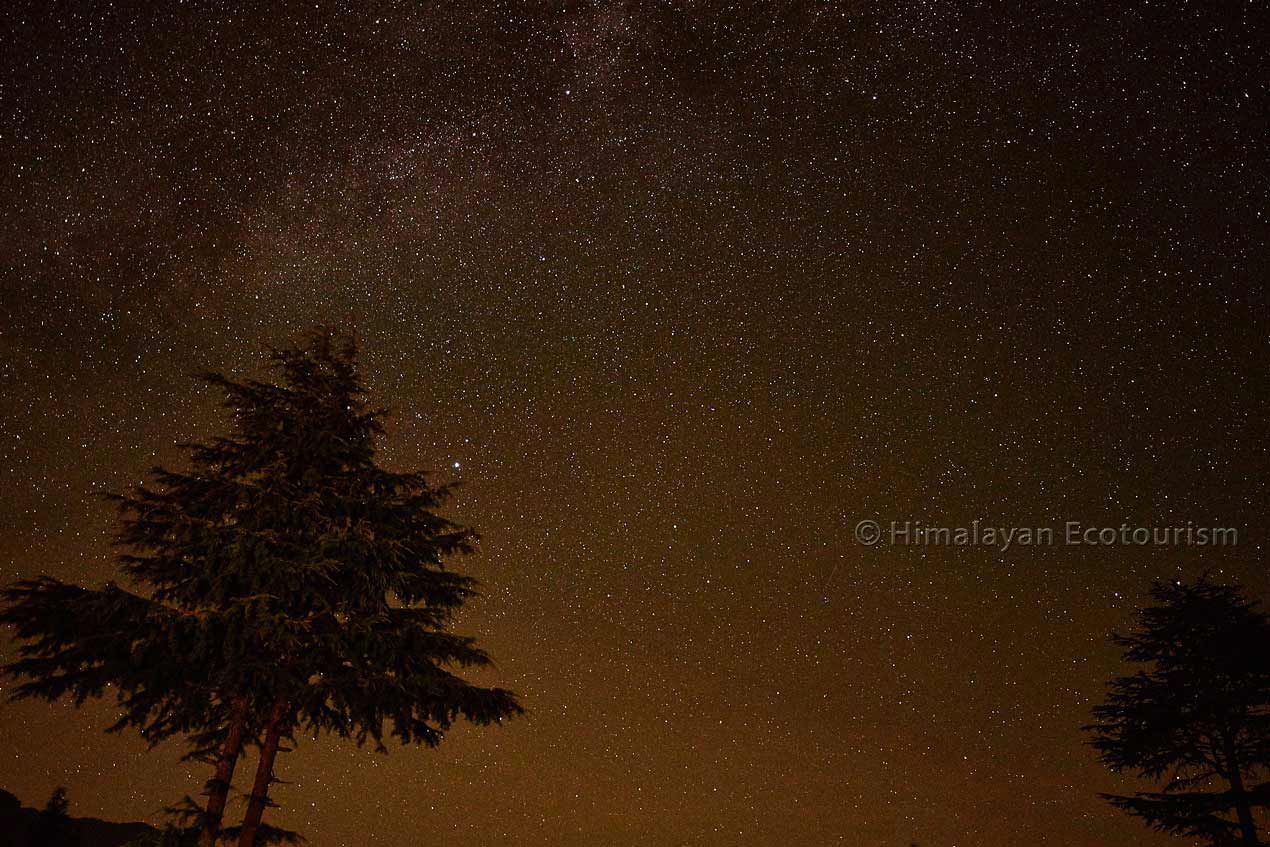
264,775
218,785
1243,808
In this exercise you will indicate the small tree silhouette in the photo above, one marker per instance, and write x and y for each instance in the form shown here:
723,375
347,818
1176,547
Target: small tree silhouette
53,828
1196,716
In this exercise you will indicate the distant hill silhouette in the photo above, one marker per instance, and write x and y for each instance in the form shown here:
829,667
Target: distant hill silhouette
20,826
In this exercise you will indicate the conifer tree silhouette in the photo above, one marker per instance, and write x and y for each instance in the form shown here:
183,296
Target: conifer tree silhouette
1196,715
289,583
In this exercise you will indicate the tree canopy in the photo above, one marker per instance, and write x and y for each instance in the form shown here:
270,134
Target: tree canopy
1196,715
285,582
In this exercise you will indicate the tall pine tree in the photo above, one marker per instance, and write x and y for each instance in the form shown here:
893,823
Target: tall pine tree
295,584
1196,715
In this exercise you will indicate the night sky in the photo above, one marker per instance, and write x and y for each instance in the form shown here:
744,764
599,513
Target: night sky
680,291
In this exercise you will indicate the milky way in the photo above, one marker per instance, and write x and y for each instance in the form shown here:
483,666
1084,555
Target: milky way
680,291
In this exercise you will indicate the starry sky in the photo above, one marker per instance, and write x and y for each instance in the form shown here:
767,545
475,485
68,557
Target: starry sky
680,291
